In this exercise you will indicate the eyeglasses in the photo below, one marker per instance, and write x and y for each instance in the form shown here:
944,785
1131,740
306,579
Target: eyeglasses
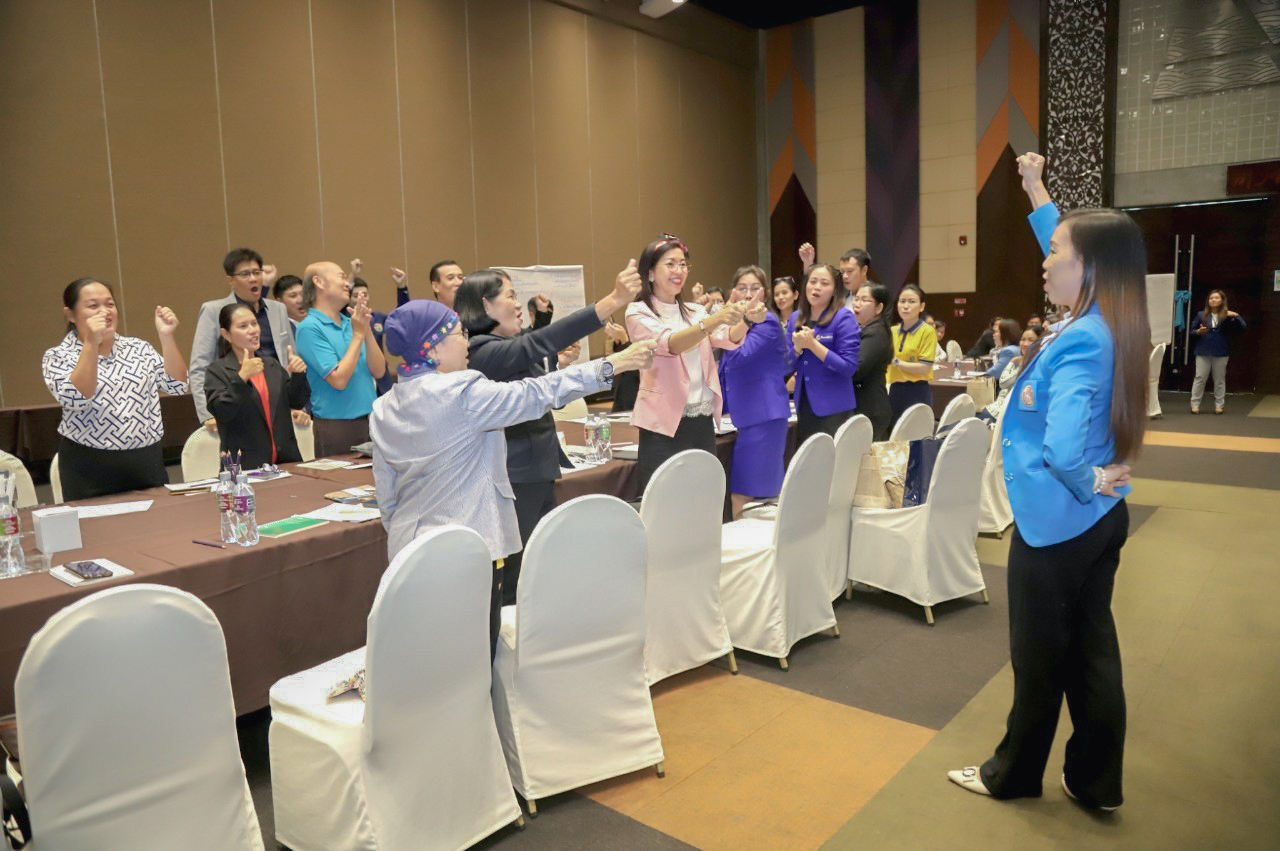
461,332
672,265
246,274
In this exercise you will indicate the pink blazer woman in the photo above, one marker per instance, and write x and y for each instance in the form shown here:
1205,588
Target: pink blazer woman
664,387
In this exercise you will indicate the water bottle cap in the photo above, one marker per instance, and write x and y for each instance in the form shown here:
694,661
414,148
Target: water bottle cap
242,479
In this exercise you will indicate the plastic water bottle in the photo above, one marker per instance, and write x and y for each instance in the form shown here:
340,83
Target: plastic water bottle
226,507
11,558
246,510
605,434
591,432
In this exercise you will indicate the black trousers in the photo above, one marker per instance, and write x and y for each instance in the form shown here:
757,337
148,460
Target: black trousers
808,423
1062,640
655,448
336,437
534,500
87,473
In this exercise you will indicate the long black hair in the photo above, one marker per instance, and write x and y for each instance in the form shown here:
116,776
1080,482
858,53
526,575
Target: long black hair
653,252
468,301
224,322
880,295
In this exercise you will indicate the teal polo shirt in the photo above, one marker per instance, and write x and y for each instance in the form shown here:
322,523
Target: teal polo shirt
322,343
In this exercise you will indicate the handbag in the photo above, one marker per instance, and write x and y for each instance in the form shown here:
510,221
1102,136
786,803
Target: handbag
982,391
881,475
920,463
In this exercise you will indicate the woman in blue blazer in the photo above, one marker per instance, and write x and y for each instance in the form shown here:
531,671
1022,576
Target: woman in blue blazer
825,338
1007,336
753,378
1076,414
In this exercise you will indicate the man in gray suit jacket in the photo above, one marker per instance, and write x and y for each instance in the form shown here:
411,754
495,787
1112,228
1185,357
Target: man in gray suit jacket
249,281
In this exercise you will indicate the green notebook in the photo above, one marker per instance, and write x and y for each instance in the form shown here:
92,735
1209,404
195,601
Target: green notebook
287,526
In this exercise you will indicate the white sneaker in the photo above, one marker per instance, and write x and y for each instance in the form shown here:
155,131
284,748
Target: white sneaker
1072,796
969,778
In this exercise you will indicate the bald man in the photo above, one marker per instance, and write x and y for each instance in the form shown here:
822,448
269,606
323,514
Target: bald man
343,359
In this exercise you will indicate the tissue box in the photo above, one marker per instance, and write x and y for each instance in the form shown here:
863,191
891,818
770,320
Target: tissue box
56,529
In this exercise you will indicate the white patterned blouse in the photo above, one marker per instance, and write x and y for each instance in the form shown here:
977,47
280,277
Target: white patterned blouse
124,411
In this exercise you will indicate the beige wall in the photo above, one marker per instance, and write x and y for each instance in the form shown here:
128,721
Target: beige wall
948,146
141,140
840,100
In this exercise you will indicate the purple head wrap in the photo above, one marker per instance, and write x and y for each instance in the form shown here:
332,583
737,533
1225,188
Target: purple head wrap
412,329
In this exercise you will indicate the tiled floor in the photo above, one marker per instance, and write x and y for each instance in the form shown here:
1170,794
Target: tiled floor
850,748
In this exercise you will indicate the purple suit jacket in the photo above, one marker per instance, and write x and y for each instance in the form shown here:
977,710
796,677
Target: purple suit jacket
753,376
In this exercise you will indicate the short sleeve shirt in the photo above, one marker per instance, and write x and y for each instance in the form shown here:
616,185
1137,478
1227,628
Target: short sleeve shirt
915,346
321,343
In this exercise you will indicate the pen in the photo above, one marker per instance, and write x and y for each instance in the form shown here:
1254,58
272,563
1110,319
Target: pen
207,543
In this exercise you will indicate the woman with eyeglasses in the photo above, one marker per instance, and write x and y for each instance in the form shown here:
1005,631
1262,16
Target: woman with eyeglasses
108,386
486,303
680,400
914,345
876,351
826,339
439,447
753,377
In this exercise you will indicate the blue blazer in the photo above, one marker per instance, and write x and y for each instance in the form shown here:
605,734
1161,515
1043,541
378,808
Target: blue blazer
828,384
753,376
1003,356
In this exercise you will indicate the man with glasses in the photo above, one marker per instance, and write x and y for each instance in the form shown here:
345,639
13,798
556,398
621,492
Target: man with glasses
250,281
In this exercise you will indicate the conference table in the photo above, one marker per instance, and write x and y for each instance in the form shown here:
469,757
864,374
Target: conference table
31,433
286,604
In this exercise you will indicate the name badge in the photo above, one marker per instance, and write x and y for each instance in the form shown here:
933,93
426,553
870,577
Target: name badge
1028,396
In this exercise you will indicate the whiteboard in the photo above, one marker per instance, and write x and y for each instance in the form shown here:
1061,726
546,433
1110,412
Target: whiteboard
566,286
1160,308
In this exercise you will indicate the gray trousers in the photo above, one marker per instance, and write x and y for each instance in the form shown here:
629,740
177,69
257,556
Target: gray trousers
1218,368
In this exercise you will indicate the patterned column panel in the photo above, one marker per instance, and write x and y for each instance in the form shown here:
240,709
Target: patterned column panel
1076,93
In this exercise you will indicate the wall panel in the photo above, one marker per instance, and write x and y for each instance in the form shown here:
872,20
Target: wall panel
359,139
659,137
157,63
55,223
502,132
436,131
268,130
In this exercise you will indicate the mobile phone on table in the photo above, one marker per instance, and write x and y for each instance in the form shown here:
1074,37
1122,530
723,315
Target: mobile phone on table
89,569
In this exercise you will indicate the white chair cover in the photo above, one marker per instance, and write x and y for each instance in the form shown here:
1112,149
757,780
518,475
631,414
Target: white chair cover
959,408
853,441
995,513
24,490
306,437
774,582
128,727
569,686
55,480
954,351
682,510
926,552
916,423
1153,380
418,763
574,410
200,455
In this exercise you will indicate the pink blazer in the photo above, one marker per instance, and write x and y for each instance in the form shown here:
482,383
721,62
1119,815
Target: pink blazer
664,387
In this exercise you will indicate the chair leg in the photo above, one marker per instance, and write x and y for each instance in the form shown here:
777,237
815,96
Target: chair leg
928,615
835,631
848,589
519,822
533,807
985,599
662,769
783,664
733,662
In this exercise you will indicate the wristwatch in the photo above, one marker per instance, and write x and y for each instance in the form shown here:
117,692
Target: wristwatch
605,371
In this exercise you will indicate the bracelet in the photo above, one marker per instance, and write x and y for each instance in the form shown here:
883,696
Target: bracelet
702,326
1100,482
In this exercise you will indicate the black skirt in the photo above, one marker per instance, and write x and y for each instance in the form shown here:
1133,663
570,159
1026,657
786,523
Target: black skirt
87,473
655,448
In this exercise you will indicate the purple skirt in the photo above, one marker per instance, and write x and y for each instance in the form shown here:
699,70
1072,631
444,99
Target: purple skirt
758,459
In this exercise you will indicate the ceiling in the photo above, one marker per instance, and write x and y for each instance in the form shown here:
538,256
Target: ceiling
763,14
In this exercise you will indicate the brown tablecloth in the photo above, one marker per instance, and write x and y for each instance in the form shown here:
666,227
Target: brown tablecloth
947,385
31,433
284,605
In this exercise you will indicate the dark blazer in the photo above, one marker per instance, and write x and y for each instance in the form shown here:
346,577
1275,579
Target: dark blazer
983,347
827,384
753,376
869,382
237,407
533,450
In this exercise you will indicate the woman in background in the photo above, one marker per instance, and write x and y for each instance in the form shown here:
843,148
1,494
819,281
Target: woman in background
914,344
680,400
1211,327
754,383
254,400
826,339
1010,373
109,388
874,355
1006,349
